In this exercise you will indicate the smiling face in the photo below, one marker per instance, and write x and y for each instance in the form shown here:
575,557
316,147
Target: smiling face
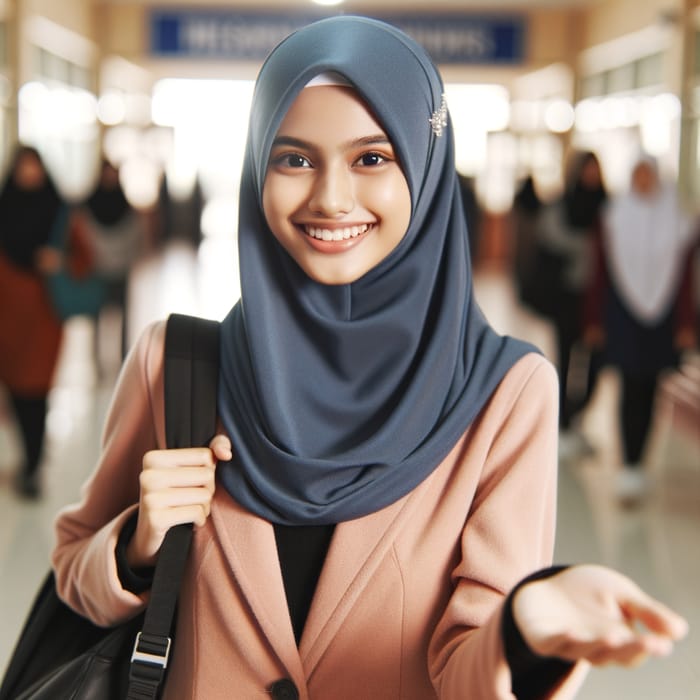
334,194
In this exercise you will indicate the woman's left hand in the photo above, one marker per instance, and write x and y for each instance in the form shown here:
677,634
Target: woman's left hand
595,613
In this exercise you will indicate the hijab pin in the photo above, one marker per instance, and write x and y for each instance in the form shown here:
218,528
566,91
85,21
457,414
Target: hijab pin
438,121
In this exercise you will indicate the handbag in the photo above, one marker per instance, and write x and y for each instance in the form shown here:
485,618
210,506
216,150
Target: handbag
72,295
60,654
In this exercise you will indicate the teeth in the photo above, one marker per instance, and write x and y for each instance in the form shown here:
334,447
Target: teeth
338,234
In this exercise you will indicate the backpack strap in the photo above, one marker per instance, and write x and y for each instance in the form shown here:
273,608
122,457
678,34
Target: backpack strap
191,378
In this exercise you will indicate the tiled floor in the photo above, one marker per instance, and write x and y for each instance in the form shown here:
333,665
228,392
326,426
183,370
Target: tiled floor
658,544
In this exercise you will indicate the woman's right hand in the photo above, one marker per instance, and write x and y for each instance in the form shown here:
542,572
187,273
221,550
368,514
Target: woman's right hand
177,487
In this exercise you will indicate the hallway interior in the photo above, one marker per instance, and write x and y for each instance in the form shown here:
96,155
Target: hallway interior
656,543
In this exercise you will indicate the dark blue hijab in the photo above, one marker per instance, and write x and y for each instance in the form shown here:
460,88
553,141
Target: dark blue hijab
339,400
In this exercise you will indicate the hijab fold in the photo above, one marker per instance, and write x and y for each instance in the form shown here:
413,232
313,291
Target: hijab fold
339,400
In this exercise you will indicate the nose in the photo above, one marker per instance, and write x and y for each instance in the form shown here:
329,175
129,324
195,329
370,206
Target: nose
333,193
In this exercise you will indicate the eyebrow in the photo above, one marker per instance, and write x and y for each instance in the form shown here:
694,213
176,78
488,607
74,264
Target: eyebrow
373,140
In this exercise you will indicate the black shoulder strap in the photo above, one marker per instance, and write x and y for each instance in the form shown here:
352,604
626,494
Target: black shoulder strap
191,378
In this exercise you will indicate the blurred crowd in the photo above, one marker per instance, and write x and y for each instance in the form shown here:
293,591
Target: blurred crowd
60,259
616,277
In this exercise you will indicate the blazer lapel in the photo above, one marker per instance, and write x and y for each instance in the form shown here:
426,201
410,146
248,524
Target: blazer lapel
357,548
249,545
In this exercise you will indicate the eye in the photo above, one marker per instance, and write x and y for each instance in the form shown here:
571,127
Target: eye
371,159
291,160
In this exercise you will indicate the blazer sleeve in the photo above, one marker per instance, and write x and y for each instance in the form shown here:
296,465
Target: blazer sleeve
508,534
83,558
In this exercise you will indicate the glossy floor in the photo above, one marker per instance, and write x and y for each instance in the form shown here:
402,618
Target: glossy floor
656,543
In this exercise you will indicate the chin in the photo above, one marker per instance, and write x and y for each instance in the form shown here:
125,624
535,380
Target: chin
332,279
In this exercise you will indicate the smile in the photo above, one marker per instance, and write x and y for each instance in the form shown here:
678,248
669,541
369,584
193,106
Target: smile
336,234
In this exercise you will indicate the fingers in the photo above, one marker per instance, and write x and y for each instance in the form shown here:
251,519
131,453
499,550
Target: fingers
177,497
655,616
177,487
630,650
619,644
221,447
171,459
154,479
162,519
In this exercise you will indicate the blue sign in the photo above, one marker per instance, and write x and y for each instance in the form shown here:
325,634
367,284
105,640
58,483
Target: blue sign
236,35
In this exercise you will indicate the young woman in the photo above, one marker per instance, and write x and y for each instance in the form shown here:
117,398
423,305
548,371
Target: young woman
117,235
640,307
385,472
31,330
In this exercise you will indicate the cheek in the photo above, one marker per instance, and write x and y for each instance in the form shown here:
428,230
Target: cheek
273,205
267,202
392,201
281,198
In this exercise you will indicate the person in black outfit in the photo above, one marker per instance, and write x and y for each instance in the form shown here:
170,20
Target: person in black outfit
566,229
30,332
529,285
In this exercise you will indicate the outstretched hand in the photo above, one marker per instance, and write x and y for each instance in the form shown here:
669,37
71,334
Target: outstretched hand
595,613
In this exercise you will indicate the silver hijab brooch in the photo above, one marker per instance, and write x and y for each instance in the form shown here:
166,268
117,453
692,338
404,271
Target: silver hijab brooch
438,120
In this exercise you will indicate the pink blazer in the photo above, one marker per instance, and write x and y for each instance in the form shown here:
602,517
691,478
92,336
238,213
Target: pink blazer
409,601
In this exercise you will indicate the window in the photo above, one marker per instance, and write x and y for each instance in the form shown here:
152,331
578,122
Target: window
593,85
650,70
621,79
51,67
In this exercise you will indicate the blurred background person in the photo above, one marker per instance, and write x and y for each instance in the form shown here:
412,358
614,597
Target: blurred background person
640,307
117,234
472,213
526,207
180,214
566,229
30,206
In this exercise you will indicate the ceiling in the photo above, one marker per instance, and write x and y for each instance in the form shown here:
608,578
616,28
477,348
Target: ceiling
378,5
